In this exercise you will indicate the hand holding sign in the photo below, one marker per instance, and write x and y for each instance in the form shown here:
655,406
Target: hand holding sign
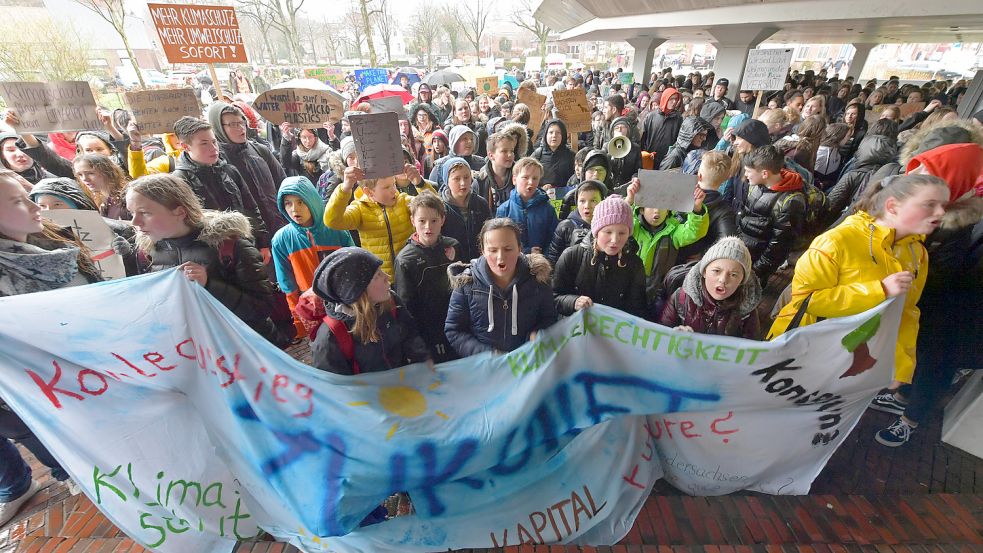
668,190
377,144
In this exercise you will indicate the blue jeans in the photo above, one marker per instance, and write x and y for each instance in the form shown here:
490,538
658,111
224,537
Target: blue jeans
12,428
15,475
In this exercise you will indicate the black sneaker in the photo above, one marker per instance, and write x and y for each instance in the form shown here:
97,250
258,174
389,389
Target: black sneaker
895,435
888,403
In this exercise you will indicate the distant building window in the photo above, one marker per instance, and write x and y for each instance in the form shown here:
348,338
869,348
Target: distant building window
573,49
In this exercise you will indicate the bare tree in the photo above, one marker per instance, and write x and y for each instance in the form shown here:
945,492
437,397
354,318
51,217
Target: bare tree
370,10
353,22
474,16
425,29
114,13
387,28
450,22
53,51
279,14
523,17
331,34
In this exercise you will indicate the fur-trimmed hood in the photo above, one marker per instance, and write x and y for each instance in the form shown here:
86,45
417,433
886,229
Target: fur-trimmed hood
962,213
954,131
532,265
217,226
337,163
517,131
750,291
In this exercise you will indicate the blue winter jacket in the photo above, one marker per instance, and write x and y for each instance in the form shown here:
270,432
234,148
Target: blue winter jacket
536,218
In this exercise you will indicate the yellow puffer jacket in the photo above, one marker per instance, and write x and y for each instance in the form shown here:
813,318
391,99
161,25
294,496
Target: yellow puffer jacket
843,269
162,164
381,230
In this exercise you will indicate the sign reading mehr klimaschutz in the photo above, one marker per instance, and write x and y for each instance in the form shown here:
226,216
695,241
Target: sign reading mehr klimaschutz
198,34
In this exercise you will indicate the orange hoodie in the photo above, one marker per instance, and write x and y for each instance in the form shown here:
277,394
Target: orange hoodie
790,182
959,165
664,101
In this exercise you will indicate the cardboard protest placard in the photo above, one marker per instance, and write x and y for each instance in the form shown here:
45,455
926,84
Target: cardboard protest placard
52,106
198,34
766,69
331,75
626,77
573,108
908,109
371,76
378,144
92,230
486,85
666,190
304,108
534,101
393,104
156,111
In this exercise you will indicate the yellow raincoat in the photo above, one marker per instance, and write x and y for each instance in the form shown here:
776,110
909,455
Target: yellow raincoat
843,269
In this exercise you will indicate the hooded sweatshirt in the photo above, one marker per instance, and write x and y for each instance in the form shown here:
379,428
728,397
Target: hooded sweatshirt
298,250
475,162
65,189
463,223
691,127
661,128
558,165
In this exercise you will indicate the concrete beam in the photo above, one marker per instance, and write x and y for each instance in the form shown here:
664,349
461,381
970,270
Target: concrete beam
859,60
641,60
733,44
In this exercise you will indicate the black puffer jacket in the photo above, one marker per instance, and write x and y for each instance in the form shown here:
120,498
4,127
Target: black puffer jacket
723,223
691,127
262,174
239,280
483,317
872,154
464,224
660,129
220,187
770,220
398,345
570,232
558,166
617,282
423,285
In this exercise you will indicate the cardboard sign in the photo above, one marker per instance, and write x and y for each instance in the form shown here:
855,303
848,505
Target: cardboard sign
666,190
378,144
92,230
573,108
301,107
534,101
156,111
389,104
198,34
52,106
626,78
369,77
331,75
486,85
766,69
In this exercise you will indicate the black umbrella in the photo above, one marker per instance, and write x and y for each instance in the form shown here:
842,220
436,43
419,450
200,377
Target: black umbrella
438,78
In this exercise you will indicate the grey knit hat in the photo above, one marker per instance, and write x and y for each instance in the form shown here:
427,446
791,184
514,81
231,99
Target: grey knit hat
347,147
729,247
344,275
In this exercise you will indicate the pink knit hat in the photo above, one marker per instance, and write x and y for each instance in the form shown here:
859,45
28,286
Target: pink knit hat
614,210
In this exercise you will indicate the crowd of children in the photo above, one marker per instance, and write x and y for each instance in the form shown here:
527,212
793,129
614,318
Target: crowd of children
513,229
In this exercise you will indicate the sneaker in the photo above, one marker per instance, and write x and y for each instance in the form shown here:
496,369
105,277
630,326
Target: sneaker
9,509
895,435
888,403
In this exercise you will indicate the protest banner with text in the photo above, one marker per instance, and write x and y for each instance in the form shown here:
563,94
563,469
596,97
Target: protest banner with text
378,144
52,106
573,108
303,108
156,111
190,33
534,101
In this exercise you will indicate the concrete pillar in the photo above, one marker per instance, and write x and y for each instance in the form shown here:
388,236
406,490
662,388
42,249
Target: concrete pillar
732,45
859,59
641,60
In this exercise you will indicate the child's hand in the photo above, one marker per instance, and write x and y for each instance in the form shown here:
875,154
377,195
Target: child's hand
583,302
633,189
532,335
684,328
285,130
550,191
195,272
330,128
267,256
352,176
134,134
413,174
897,284
698,196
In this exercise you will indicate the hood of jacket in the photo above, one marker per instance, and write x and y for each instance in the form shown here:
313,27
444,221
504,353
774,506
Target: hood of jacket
456,133
959,165
422,106
302,188
66,189
517,132
624,120
532,265
874,151
215,112
539,197
595,158
712,109
790,182
691,127
953,131
563,133
664,100
450,163
337,163
749,292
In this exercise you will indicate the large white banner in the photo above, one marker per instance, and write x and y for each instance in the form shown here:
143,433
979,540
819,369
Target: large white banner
190,432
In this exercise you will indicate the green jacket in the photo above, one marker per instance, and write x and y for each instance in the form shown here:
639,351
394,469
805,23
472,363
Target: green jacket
681,234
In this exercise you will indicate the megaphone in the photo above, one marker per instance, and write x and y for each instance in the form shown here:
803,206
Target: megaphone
618,147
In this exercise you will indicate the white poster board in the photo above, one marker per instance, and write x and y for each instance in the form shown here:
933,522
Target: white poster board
92,230
388,104
378,144
767,69
666,190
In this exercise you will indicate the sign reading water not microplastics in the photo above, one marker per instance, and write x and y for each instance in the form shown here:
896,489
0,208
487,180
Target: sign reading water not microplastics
766,69
198,34
51,106
303,108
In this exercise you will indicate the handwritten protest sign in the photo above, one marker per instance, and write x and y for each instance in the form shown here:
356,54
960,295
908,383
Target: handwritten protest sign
52,106
157,110
304,108
92,230
486,85
371,76
225,435
393,104
573,109
331,75
377,144
766,68
534,101
666,190
198,34
626,77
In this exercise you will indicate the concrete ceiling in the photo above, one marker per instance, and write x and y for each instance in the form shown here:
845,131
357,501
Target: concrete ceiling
802,21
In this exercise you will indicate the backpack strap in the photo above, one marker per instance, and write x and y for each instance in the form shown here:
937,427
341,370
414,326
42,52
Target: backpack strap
344,338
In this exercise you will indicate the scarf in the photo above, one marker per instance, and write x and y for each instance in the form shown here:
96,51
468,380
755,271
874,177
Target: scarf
318,154
35,266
